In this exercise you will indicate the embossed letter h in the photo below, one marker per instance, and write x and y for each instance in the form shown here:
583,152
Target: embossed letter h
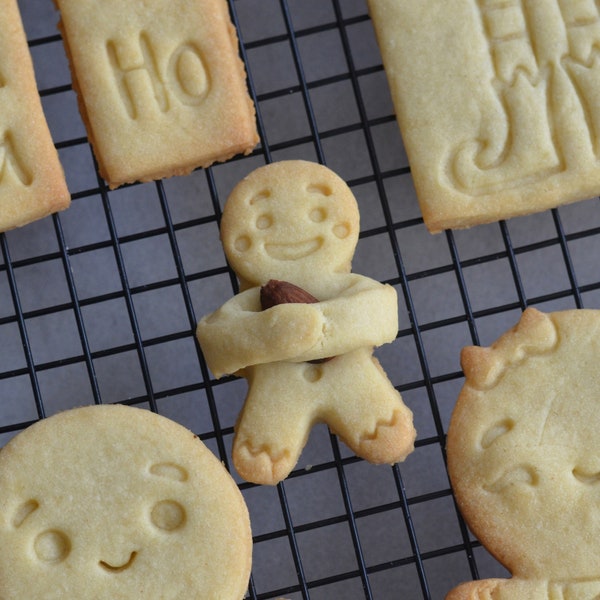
137,75
143,86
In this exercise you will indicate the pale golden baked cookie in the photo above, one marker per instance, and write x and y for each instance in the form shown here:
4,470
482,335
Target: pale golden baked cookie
32,182
161,87
114,503
297,222
524,456
498,103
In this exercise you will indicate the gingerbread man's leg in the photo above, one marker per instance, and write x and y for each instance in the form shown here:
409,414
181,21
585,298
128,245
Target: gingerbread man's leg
502,589
365,410
476,590
275,421
351,393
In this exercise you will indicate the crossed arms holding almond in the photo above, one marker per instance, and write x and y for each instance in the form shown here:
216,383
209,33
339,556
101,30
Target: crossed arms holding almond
289,231
352,311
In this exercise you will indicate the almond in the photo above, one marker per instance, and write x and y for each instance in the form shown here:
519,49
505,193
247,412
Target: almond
283,292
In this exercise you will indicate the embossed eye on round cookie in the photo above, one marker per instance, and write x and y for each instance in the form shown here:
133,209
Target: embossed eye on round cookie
524,456
289,231
113,502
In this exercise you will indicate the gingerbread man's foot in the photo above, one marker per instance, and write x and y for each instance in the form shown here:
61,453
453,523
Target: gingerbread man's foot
261,465
391,441
475,590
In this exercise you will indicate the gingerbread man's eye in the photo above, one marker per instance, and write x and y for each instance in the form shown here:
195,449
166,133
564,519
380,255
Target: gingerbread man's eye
168,515
264,221
317,215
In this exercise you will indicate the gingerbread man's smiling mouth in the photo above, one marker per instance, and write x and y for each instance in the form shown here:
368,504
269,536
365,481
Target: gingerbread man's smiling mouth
118,568
293,250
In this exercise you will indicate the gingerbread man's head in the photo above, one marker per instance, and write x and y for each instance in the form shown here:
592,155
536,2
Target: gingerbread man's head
524,448
289,220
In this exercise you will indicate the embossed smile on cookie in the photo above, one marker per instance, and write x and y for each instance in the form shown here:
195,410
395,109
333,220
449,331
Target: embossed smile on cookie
293,250
134,518
289,230
119,567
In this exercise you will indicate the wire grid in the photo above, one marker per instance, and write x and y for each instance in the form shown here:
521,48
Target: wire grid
99,303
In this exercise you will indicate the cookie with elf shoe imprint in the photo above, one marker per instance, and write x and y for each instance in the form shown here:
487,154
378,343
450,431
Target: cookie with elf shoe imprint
303,328
117,503
524,457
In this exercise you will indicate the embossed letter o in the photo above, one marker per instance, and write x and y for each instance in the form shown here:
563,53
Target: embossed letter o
188,74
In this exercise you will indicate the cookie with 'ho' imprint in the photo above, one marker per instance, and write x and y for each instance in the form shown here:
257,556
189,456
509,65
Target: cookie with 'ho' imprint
524,456
113,502
160,85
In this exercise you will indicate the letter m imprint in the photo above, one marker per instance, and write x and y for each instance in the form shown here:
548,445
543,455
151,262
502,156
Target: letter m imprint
11,162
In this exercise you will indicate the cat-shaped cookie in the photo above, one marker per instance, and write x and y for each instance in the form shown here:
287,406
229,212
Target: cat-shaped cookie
524,457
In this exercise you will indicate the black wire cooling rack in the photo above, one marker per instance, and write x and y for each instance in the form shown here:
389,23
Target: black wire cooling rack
99,303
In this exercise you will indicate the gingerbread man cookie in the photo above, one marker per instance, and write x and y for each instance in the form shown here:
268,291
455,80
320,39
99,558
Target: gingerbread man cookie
295,224
524,457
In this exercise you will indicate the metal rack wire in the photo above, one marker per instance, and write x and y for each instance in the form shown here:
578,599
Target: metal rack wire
99,303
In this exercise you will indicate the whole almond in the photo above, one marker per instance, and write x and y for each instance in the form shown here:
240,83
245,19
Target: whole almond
283,292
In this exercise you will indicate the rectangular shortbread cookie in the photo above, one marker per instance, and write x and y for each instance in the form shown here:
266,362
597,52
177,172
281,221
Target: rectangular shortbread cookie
161,87
32,182
498,102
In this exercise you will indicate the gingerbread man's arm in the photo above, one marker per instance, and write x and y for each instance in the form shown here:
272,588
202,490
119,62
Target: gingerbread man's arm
364,314
240,334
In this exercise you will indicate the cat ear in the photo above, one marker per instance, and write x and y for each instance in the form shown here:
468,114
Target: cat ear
482,366
535,333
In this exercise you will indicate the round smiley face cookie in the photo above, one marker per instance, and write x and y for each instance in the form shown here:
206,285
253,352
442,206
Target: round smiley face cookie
303,328
524,456
113,502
